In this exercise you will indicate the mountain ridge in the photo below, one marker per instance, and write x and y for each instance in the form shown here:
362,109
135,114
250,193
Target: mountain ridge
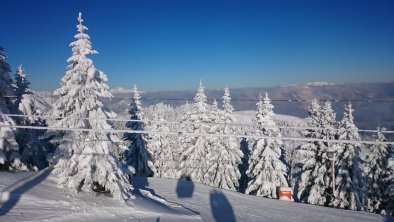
373,102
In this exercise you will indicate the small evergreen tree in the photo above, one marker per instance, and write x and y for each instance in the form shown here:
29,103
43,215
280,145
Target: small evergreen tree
137,155
194,148
231,157
321,191
267,167
388,198
33,148
224,155
9,149
306,155
376,172
213,162
313,167
162,146
21,84
88,160
349,193
243,167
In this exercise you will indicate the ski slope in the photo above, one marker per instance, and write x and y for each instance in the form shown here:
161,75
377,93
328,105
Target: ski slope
34,196
226,206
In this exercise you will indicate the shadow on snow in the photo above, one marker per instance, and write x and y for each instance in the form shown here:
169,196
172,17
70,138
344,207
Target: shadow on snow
147,198
13,197
221,208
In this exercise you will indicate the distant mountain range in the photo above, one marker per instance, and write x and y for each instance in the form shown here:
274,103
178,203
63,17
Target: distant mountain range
373,102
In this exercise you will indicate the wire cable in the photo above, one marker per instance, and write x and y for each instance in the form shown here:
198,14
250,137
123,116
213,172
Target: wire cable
199,134
256,100
187,122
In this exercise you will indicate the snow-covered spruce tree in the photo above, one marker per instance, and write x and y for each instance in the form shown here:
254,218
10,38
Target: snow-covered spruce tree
376,172
32,147
267,167
21,84
137,155
224,154
306,155
9,149
349,193
194,148
227,151
313,167
215,146
165,111
321,188
88,160
388,200
233,152
214,113
161,146
243,167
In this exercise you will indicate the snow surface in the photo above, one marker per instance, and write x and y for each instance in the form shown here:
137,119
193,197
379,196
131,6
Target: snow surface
34,196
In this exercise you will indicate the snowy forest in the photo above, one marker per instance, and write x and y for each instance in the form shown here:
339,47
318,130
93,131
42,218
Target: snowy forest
94,149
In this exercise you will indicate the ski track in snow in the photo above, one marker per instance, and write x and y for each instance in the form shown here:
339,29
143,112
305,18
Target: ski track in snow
34,196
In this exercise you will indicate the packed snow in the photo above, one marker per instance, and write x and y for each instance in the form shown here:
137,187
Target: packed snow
34,196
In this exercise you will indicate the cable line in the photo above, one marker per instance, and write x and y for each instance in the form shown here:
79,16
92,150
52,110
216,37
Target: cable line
198,134
186,122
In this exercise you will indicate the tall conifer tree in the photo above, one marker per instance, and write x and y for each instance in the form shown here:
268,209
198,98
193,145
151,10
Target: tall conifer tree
194,148
313,167
377,172
224,154
9,148
137,155
32,147
349,193
267,167
162,147
88,160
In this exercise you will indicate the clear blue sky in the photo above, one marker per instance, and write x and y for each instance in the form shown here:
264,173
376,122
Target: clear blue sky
169,45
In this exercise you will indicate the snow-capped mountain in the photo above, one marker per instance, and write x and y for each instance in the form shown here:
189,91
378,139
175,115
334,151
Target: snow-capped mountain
367,99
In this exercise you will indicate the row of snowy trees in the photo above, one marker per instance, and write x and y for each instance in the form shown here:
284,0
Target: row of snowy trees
207,150
205,147
9,149
211,160
20,149
360,184
357,184
313,167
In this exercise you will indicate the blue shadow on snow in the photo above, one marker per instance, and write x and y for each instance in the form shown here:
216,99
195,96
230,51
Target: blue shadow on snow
185,188
221,208
16,194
